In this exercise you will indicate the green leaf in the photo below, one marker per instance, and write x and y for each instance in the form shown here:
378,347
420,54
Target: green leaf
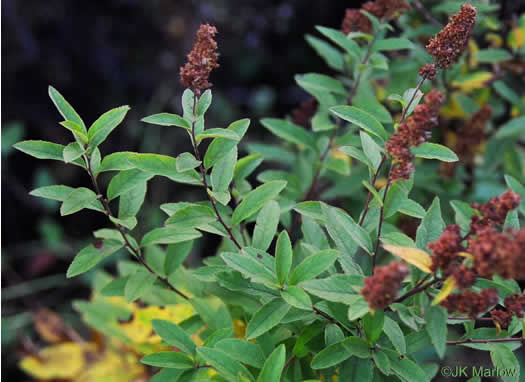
371,150
218,133
331,356
492,56
266,225
434,151
225,365
290,132
167,119
504,359
168,375
394,43
374,192
139,283
381,361
204,103
65,109
406,369
356,369
395,334
192,215
222,172
186,161
175,256
77,200
128,222
436,325
320,82
373,325
169,235
116,162
297,298
283,257
408,96
91,255
245,166
105,124
332,57
431,227
341,40
256,199
345,222
171,360
125,181
313,266
77,131
174,335
273,367
41,149
243,351
357,347
512,128
60,193
164,165
354,152
221,146
131,202
508,94
411,208
115,288
338,288
248,266
311,209
358,308
267,317
360,118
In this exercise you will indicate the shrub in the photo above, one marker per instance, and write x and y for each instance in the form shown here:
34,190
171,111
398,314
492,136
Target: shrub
301,289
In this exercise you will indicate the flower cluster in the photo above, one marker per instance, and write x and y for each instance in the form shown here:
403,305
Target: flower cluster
355,20
201,60
412,132
380,290
445,250
470,303
302,115
428,71
495,211
448,45
514,305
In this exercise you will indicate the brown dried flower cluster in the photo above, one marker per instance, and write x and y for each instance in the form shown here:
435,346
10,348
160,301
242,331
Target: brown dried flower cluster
428,71
412,132
448,45
302,115
380,290
355,21
445,250
498,253
495,211
201,60
514,305
470,303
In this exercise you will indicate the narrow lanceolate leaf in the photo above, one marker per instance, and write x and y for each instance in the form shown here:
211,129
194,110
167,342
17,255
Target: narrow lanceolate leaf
169,235
338,288
248,266
360,118
171,360
77,200
65,109
273,367
371,149
436,325
186,161
431,226
283,257
222,146
266,225
246,165
339,38
320,82
174,335
131,202
218,133
332,56
222,171
313,266
116,162
290,132
434,151
267,317
373,325
354,152
139,283
414,256
330,356
192,215
72,151
225,365
256,199
91,255
128,222
393,43
105,124
243,351
167,119
446,289
504,359
60,193
126,181
77,131
204,103
395,334
406,369
339,217
164,165
297,298
41,149
512,128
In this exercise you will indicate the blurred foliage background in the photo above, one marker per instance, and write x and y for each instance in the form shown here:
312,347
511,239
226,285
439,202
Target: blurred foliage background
103,54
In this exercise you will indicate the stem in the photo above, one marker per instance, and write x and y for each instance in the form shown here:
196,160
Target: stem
205,182
418,87
470,319
288,363
136,252
417,290
369,198
485,341
379,228
329,318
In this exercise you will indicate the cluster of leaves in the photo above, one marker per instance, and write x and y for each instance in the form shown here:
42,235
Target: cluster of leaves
281,300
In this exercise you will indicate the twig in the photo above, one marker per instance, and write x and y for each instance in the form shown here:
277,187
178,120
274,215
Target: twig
379,228
205,182
136,252
288,363
418,87
369,198
329,318
416,290
470,319
485,341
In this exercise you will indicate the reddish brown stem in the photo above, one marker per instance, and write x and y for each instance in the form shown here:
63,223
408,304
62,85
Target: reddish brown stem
416,290
485,341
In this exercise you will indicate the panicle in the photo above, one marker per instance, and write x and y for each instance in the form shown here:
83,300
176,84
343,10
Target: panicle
495,211
470,303
201,60
429,71
356,21
380,289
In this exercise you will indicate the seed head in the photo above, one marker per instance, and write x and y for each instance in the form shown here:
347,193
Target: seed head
380,290
501,318
355,20
470,303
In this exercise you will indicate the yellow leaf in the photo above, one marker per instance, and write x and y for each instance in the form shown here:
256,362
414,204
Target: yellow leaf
113,366
495,40
472,81
466,255
474,49
446,290
414,256
336,154
63,361
516,37
239,328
